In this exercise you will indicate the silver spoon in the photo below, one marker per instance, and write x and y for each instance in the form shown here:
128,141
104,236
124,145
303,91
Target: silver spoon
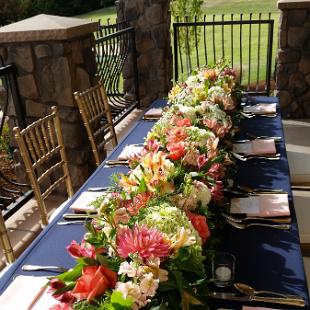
248,290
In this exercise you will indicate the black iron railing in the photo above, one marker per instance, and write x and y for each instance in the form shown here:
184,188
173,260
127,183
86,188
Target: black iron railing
109,28
116,55
13,195
246,44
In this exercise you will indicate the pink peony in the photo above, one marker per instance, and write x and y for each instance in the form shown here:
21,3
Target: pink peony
144,241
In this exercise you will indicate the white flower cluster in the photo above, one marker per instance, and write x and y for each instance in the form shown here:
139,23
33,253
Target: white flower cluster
144,283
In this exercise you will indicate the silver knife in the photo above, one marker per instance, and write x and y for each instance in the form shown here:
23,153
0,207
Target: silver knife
77,216
98,189
297,302
113,162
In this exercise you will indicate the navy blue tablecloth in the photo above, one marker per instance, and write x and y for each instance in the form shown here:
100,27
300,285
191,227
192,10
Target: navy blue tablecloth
266,258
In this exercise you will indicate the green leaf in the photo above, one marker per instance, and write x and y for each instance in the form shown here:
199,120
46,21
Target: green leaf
119,303
142,186
72,274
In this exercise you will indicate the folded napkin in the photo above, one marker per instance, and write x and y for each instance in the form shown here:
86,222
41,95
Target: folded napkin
261,108
129,151
265,205
154,112
82,204
256,147
23,291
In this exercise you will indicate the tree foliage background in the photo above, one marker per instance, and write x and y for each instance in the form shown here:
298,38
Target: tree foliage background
14,10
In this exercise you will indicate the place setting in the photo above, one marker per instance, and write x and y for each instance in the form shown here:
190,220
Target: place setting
258,148
224,286
153,114
249,207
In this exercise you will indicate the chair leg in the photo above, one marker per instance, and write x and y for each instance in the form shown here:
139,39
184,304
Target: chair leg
42,210
5,242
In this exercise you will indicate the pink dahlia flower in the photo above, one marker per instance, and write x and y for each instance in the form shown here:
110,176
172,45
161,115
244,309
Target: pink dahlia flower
144,241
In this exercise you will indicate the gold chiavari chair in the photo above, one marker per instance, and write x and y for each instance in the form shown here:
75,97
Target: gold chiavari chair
96,114
42,149
5,241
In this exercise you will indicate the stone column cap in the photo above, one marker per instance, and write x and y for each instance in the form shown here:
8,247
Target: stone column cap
293,4
44,27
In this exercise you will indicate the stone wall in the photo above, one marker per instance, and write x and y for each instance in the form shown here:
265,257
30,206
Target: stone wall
50,66
293,59
151,21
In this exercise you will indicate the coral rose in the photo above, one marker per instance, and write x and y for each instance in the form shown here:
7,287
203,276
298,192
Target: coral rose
200,224
177,150
95,280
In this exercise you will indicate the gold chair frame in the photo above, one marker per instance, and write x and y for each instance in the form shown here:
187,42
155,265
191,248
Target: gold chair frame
94,106
5,242
38,144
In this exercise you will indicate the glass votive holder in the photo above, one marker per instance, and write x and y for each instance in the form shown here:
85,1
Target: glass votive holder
223,269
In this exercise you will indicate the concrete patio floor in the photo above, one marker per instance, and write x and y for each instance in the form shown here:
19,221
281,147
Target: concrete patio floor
24,225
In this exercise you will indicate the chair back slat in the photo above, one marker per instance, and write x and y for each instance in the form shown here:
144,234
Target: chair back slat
95,111
42,149
39,137
51,135
45,137
30,148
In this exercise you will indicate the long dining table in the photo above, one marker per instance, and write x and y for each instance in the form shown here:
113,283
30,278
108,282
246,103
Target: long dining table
266,258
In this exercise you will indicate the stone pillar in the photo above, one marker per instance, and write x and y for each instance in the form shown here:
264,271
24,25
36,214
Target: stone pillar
54,57
293,66
151,21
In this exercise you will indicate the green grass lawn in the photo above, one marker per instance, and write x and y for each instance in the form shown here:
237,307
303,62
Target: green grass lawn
103,14
226,7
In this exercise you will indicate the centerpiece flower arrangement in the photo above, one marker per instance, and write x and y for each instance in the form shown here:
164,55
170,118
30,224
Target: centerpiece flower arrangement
150,243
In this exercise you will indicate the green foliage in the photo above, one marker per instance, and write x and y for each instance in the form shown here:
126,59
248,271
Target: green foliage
187,11
183,8
119,303
5,139
59,7
14,10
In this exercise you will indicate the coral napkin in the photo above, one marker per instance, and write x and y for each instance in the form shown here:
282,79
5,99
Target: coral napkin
25,291
154,112
82,204
261,108
256,147
265,205
129,151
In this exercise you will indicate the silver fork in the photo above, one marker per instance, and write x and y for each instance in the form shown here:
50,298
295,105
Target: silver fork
245,226
245,158
286,220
